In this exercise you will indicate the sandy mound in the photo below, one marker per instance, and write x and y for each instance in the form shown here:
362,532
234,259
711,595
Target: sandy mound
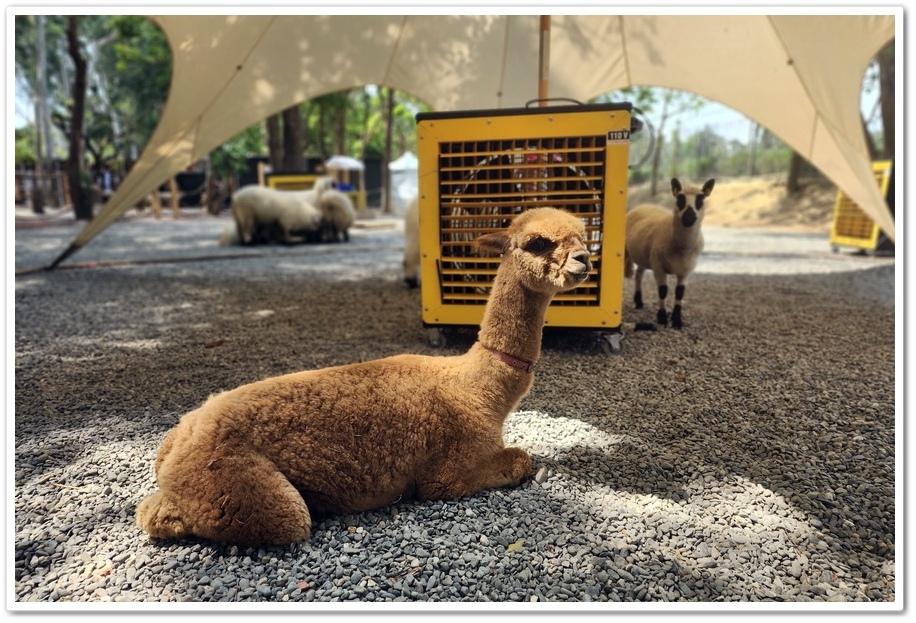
758,202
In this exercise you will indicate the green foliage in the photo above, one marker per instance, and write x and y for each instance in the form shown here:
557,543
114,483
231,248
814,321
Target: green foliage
138,66
25,147
232,156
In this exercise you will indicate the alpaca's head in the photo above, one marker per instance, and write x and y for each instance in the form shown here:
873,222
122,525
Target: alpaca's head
688,202
544,247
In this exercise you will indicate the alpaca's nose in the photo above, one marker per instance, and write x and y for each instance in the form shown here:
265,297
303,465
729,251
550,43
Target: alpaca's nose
582,257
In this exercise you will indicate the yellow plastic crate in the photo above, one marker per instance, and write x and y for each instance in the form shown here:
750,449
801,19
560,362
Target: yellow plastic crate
852,227
479,169
291,181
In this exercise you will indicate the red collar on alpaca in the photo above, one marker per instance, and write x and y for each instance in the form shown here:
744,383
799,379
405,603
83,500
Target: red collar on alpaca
515,362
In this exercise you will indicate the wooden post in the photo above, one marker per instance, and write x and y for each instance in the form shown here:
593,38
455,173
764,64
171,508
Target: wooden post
544,60
155,203
173,197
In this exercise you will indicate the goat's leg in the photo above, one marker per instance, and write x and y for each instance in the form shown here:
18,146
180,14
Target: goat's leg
637,287
676,315
661,279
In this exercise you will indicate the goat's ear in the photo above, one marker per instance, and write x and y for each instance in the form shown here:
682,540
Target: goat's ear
707,187
492,244
675,186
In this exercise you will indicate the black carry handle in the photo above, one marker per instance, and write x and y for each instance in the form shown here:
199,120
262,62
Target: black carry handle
568,100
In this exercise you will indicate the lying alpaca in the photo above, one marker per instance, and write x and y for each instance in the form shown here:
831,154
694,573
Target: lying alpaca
667,243
337,215
256,464
411,263
261,212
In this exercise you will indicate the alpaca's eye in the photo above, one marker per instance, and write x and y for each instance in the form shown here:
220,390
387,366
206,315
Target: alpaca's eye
539,246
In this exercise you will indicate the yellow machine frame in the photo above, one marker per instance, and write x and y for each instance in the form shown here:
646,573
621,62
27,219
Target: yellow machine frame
479,169
852,227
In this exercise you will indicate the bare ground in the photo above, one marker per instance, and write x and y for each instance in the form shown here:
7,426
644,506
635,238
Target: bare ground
760,201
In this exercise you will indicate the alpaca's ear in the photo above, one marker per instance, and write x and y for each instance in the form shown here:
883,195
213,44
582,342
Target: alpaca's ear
492,244
707,187
675,186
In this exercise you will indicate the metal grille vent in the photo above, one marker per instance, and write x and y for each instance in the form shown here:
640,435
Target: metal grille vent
484,184
850,220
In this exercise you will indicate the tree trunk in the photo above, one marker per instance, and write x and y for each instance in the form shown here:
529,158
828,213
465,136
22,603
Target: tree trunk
752,149
886,72
386,157
873,151
795,164
275,142
656,164
81,189
293,160
342,131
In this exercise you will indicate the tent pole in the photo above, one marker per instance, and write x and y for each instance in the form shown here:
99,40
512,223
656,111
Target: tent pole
544,60
73,248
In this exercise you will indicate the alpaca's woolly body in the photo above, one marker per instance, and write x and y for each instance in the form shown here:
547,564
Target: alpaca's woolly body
255,465
668,242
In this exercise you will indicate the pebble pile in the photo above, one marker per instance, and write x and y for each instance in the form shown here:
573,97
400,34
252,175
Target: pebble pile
748,458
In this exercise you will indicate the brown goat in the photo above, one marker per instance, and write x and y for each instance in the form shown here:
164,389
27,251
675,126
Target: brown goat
255,465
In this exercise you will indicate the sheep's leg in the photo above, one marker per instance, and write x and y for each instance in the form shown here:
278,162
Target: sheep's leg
236,498
637,284
243,232
661,279
679,290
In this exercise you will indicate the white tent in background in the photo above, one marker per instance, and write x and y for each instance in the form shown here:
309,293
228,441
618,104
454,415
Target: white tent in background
798,75
404,183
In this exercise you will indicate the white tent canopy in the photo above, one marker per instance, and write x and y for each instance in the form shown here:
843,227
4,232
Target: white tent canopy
800,76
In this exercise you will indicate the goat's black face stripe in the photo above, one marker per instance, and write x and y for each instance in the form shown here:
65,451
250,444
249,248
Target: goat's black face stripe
681,201
699,202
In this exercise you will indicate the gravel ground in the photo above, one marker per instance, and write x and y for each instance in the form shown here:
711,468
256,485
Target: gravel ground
750,457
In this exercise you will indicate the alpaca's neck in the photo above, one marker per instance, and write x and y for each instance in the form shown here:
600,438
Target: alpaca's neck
513,321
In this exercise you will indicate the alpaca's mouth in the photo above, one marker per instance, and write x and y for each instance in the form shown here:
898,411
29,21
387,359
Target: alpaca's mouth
579,275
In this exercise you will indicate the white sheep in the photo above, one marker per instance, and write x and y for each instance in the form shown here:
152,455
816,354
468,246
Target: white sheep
257,464
667,242
337,215
411,262
262,214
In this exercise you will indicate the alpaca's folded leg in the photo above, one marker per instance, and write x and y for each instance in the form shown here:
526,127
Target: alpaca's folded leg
239,499
509,467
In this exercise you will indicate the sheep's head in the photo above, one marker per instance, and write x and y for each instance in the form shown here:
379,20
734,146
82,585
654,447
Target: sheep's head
324,183
545,247
688,202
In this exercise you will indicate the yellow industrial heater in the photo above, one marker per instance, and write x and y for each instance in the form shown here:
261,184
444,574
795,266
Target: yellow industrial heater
479,169
852,227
